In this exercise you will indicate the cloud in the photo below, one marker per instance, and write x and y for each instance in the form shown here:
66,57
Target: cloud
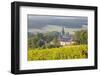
40,21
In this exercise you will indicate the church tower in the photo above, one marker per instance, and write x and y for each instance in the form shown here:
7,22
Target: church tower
63,32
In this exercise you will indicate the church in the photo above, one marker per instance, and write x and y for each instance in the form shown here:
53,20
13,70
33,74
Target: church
65,38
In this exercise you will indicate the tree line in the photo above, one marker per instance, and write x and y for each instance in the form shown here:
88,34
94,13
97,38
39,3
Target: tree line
51,39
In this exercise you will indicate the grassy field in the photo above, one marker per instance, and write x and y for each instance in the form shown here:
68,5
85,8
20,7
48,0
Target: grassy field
65,52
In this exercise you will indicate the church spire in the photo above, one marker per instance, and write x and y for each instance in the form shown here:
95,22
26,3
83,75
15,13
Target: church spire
63,32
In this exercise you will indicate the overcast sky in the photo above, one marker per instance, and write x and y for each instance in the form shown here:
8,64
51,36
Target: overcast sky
43,22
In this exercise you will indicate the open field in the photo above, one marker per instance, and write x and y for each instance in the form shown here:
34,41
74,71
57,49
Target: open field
65,52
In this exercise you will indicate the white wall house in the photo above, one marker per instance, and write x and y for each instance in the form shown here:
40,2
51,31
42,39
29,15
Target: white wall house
65,43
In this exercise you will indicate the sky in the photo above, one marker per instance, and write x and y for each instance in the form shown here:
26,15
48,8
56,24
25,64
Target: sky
44,23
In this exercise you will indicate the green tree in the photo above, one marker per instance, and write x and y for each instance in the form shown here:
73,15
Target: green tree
34,41
56,42
81,37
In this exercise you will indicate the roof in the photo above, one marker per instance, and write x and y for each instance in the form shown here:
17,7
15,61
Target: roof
67,39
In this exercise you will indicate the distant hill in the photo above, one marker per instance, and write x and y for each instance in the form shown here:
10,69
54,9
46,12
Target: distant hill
55,29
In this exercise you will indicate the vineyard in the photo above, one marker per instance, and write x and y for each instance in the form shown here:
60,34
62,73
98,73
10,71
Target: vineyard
65,52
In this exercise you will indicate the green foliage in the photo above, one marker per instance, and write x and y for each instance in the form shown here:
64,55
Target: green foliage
81,37
44,40
65,52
